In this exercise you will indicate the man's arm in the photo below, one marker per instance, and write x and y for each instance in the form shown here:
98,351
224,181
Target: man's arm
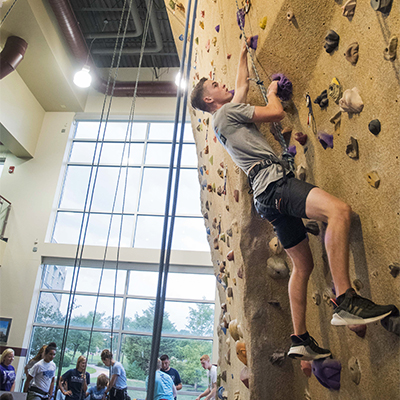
273,111
112,382
213,392
242,76
205,393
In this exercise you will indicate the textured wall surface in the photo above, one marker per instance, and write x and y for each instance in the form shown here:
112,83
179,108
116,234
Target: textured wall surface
296,49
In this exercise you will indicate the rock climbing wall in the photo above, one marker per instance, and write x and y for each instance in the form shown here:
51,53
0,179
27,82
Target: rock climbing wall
341,155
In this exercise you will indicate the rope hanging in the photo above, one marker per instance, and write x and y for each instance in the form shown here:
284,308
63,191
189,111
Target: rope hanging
286,156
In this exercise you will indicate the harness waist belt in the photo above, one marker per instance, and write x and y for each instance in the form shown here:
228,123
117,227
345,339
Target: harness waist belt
38,391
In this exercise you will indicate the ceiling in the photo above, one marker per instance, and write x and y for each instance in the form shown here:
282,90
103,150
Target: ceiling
99,21
48,66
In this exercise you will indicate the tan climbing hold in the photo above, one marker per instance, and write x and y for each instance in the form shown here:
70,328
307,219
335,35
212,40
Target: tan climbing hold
220,173
214,41
223,375
241,352
351,53
229,292
180,7
349,8
275,246
355,371
335,120
235,226
373,179
352,148
216,245
263,22
290,15
245,376
224,307
226,319
230,256
236,395
277,268
358,285
301,173
236,195
316,298
228,357
201,24
240,272
351,101
391,51
233,330
229,232
224,69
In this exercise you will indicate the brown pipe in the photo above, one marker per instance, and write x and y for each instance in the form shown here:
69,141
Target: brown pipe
12,54
77,44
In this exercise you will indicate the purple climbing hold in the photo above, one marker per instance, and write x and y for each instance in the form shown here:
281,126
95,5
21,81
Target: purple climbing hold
285,87
217,28
292,150
325,139
327,371
232,92
240,17
254,42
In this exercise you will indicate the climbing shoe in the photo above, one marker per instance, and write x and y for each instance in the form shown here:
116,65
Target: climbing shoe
356,310
307,349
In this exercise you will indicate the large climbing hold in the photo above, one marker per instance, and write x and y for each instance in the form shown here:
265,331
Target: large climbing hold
352,53
351,101
327,371
301,137
285,87
331,41
354,368
241,352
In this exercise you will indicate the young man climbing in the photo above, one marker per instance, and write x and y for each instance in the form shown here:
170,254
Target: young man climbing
284,200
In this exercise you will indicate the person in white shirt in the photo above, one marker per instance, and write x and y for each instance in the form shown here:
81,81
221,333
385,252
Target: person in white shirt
210,392
39,383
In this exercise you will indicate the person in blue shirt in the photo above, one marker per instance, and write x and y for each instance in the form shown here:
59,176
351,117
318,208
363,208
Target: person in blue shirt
98,392
117,386
163,385
76,381
7,371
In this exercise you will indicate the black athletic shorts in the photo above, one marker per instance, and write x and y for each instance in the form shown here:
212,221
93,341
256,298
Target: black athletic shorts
283,204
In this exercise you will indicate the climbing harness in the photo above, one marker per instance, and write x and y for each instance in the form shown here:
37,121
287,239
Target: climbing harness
287,158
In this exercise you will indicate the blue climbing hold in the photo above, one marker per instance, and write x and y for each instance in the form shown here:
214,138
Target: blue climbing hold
181,37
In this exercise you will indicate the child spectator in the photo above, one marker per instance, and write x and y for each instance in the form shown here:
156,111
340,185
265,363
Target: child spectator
98,392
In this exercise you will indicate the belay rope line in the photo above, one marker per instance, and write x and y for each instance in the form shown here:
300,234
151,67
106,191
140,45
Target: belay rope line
82,238
286,156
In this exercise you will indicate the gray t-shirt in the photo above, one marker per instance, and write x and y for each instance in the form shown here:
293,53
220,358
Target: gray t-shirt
245,143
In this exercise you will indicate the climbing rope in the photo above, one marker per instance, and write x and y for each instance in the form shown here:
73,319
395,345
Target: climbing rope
7,13
286,156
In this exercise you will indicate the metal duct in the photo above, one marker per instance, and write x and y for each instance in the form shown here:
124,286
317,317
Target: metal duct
12,55
69,26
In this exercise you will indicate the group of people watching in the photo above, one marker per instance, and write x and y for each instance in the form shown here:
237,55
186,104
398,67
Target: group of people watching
74,384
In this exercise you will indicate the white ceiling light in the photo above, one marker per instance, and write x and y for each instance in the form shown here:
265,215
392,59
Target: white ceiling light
181,81
82,78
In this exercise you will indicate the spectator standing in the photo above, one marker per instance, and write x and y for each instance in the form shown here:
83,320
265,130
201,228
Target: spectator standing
76,381
172,372
117,387
39,382
7,371
163,385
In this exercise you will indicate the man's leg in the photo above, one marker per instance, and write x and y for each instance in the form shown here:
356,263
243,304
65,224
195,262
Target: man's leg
322,206
302,267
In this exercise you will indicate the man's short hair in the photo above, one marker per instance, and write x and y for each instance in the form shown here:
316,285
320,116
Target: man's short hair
205,357
197,96
164,357
158,364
